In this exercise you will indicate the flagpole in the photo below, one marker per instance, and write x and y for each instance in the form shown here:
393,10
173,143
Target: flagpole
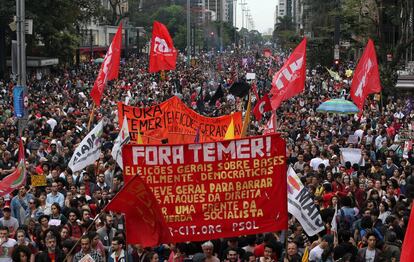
126,242
91,117
84,233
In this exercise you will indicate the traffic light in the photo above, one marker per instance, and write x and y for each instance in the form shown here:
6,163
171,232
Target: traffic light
336,62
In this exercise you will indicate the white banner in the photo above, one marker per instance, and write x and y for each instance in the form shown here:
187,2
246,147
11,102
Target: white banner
88,150
353,155
301,206
122,139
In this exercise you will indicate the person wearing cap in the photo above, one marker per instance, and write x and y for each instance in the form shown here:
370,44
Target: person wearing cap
316,253
8,221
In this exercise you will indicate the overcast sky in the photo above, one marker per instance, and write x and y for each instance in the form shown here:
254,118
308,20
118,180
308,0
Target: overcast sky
262,12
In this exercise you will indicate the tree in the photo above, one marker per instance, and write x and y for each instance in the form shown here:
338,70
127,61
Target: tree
56,26
284,33
7,10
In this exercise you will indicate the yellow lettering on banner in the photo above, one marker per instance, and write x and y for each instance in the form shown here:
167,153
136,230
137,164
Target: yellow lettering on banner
178,218
161,190
221,206
190,189
238,186
237,174
183,210
193,168
169,179
234,165
232,214
148,170
253,184
213,197
183,199
244,194
221,187
271,161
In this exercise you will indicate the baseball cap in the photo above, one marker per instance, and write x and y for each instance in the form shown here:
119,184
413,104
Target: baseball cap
6,207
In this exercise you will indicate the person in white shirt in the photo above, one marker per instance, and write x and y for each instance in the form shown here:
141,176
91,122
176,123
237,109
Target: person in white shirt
316,253
6,245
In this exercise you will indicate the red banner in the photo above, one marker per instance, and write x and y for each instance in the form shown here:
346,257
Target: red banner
173,122
215,189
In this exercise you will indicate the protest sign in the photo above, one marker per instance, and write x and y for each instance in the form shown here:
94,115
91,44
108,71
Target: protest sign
353,155
173,122
38,180
301,205
215,189
353,139
250,76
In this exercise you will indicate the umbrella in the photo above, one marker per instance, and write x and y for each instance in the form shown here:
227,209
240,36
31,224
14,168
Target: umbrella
339,106
99,60
240,89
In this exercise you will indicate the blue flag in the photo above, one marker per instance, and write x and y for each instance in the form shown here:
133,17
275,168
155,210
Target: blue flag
18,101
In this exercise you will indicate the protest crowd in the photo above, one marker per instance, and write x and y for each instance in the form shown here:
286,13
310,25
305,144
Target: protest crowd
52,219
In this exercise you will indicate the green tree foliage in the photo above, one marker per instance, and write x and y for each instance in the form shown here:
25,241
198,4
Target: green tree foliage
55,26
285,34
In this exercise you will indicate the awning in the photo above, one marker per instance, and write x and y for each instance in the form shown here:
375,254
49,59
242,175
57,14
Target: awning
405,82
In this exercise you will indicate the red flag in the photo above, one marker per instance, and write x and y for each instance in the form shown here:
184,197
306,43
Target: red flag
162,54
267,53
17,178
290,79
109,68
366,77
408,244
262,106
270,127
256,93
142,214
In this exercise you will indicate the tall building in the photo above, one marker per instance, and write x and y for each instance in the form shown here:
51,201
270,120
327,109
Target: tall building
293,9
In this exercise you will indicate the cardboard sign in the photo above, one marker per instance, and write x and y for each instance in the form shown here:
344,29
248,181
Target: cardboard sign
250,76
172,122
353,139
216,189
38,180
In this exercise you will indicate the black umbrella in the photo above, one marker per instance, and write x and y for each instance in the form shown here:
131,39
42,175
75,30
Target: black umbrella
217,95
240,89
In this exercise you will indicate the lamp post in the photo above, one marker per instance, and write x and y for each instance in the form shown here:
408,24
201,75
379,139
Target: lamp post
188,32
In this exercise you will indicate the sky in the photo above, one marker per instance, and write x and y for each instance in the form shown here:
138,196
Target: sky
262,12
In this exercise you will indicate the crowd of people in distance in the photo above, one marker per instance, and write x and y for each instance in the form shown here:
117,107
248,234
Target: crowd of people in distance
56,221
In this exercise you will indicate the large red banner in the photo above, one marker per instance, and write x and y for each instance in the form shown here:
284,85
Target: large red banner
215,189
173,122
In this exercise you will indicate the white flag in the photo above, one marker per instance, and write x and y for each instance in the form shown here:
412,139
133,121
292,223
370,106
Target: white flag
301,206
122,139
334,224
88,150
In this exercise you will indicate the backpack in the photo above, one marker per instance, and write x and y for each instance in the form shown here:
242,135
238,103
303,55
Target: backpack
345,221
